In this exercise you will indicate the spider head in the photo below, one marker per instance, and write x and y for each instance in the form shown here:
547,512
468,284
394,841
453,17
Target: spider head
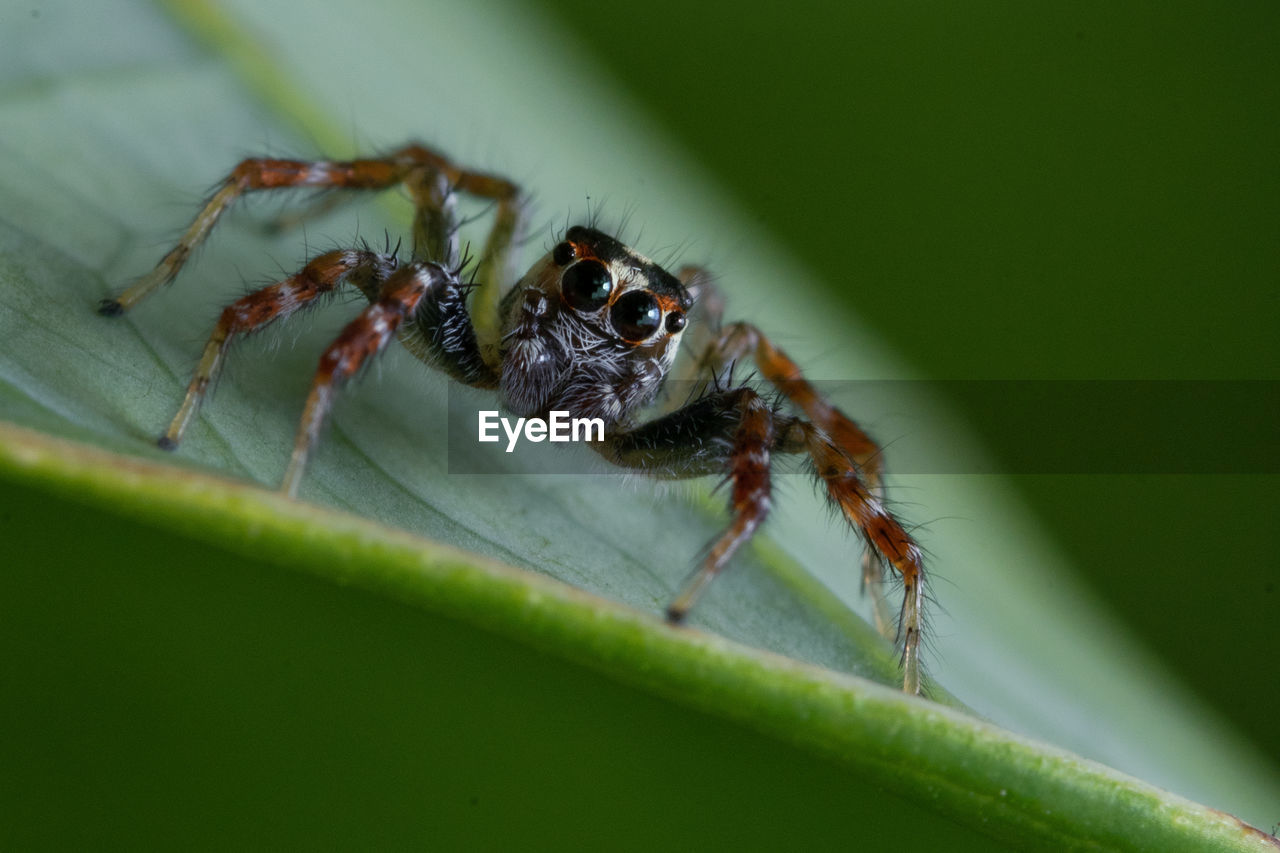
592,329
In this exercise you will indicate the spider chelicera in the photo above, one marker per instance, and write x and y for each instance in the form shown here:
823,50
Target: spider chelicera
591,329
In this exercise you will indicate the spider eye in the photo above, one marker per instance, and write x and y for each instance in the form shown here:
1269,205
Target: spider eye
636,315
563,254
675,322
586,285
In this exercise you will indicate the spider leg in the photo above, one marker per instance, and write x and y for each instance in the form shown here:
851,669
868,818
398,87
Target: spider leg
433,181
258,173
263,307
441,334
399,299
750,496
734,430
414,165
737,430
493,268
862,507
740,340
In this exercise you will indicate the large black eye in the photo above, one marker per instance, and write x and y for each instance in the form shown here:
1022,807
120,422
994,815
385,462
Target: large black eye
636,315
586,285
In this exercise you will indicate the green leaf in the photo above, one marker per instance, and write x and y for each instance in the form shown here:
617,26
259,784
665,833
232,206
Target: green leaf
114,122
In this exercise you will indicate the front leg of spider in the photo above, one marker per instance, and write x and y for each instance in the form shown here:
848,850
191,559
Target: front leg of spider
731,433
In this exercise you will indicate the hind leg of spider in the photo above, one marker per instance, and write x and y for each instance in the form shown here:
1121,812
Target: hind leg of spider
263,307
742,340
377,173
421,295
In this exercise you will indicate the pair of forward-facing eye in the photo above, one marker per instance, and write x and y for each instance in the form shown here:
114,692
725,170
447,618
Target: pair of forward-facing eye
635,315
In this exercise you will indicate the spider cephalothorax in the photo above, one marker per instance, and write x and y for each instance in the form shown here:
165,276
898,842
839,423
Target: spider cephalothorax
592,329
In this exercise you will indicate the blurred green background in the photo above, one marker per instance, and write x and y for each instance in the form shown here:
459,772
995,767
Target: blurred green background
1026,191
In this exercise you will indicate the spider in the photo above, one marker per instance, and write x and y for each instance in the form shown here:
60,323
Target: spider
592,329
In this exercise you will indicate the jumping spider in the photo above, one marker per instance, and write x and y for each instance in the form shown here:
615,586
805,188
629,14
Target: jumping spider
592,329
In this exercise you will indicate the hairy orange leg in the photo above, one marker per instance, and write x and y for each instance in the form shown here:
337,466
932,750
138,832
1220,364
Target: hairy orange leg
414,165
362,339
864,510
749,499
263,307
741,340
